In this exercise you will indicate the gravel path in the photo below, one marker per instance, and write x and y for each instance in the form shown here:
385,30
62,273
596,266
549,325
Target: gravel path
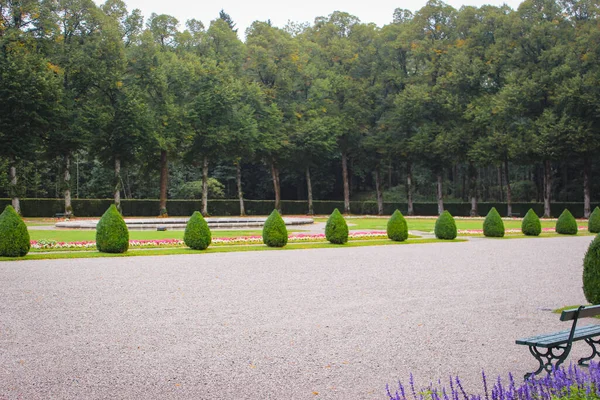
306,324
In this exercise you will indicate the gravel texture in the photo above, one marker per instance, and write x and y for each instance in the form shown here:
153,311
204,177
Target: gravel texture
302,324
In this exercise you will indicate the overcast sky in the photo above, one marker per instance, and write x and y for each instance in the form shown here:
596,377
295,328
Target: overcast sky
244,12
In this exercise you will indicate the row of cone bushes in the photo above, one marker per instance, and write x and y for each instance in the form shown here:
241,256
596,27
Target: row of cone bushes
112,235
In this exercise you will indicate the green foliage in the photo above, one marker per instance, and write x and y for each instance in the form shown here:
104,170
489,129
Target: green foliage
531,225
14,237
193,190
445,227
197,233
594,221
591,272
397,229
336,229
274,231
112,235
566,224
493,225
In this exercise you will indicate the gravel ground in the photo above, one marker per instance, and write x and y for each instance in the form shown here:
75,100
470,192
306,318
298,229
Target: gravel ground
306,324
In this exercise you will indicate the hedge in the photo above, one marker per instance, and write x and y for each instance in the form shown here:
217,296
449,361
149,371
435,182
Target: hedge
181,208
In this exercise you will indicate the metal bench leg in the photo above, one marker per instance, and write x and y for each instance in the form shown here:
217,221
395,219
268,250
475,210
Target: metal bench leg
546,356
592,343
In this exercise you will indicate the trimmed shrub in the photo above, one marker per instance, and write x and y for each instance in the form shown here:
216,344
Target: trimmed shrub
397,229
493,226
274,231
591,272
112,235
566,224
445,227
14,237
594,221
336,229
531,225
197,233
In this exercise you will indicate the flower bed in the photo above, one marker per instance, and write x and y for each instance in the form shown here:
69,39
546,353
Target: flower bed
564,383
240,240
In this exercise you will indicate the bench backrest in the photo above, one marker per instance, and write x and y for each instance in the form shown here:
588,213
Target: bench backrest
584,312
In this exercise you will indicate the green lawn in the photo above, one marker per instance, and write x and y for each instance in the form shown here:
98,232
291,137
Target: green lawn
428,224
220,249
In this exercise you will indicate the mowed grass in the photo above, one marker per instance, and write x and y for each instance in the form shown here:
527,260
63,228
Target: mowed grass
221,249
428,224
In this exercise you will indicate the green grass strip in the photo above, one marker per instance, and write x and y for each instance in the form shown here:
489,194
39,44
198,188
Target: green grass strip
218,249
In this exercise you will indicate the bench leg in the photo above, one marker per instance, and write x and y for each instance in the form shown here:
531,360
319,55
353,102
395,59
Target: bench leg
549,358
592,343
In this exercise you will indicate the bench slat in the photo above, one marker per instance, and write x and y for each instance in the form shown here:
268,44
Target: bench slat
562,337
569,315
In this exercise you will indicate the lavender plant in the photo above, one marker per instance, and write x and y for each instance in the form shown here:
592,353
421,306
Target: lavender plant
572,383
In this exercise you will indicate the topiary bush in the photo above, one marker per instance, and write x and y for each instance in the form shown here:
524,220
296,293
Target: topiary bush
531,225
591,272
14,237
397,229
274,231
594,221
197,233
112,235
493,225
445,227
336,229
566,224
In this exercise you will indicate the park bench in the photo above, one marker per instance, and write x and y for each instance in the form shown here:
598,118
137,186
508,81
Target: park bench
514,215
59,215
552,349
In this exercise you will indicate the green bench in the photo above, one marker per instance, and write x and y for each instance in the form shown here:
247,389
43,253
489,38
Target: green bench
551,349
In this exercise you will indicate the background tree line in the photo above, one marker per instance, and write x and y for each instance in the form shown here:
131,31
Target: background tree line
443,104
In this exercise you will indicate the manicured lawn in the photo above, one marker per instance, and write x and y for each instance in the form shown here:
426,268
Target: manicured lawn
428,224
220,249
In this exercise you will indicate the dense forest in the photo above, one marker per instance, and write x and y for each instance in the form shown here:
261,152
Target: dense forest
441,105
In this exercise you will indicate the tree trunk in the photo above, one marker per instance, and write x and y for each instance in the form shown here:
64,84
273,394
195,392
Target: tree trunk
587,208
311,209
440,194
164,174
500,183
204,210
409,188
276,186
379,192
390,171
117,189
473,189
508,189
547,187
238,173
346,184
13,186
67,182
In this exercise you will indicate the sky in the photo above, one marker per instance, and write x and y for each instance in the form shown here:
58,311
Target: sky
244,12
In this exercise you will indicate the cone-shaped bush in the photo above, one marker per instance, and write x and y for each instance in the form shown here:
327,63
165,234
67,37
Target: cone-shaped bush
594,221
112,235
197,233
591,272
336,229
531,225
493,225
397,229
274,231
566,224
14,237
445,227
